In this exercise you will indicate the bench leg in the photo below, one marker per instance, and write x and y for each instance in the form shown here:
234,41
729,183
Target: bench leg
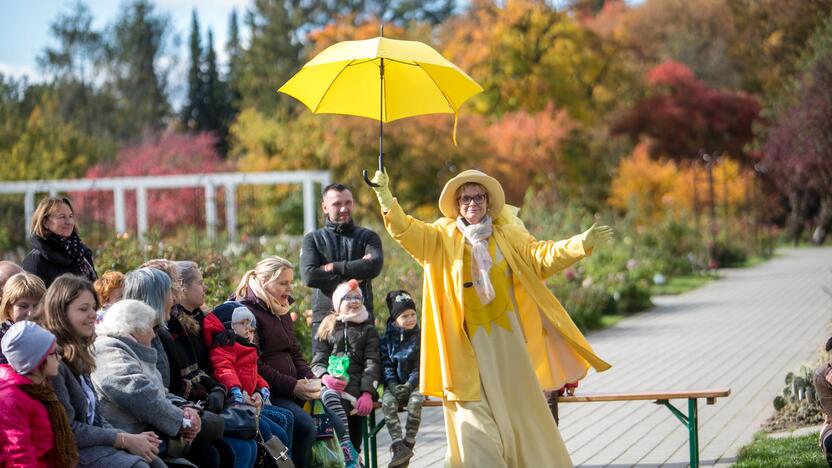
693,430
691,421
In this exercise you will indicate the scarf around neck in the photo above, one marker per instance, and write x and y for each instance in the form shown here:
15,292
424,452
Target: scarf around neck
66,451
477,235
274,306
78,252
360,316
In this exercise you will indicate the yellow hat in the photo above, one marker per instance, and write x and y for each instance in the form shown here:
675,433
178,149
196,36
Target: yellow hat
448,204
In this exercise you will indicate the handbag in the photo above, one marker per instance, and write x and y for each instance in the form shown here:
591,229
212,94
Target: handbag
240,421
324,426
213,427
273,453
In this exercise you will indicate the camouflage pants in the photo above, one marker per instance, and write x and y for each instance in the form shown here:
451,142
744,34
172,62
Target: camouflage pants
390,407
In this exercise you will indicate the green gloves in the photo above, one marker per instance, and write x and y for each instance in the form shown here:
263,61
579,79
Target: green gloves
385,197
596,235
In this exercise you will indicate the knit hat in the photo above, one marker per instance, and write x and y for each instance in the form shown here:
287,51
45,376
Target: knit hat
241,313
398,302
342,291
26,345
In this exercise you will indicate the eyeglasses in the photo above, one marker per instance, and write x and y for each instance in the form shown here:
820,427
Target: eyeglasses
56,353
355,298
478,199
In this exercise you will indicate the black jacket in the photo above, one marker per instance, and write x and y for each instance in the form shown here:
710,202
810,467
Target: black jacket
344,245
362,341
400,356
48,260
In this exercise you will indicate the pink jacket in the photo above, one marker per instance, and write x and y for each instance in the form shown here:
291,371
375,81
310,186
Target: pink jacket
26,438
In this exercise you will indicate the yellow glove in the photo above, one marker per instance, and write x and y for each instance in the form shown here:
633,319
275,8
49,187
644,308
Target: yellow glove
385,197
596,235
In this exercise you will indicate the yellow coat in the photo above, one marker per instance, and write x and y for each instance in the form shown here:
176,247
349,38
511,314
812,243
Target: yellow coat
558,350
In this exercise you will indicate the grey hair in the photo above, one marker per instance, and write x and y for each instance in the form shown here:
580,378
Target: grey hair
150,286
126,317
188,271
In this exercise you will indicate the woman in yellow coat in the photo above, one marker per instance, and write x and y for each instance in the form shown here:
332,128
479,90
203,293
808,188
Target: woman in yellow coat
493,335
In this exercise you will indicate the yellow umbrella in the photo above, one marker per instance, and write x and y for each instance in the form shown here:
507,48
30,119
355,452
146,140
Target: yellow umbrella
383,79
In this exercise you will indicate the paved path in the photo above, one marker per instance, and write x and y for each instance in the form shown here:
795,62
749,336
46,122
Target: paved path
744,331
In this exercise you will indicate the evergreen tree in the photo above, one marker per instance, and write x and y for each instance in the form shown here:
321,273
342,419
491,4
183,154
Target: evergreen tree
216,117
136,43
273,56
234,51
192,117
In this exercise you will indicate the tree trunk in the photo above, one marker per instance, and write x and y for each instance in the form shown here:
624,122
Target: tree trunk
795,220
824,221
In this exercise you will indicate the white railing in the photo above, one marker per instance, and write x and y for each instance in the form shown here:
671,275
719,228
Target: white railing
209,182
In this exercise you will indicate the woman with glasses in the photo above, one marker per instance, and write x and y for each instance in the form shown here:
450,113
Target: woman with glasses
69,312
34,430
493,335
56,247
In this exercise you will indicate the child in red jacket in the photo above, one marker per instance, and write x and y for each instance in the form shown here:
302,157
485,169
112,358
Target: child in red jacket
228,332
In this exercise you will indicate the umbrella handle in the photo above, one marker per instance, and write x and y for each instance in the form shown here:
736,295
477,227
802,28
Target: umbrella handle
367,179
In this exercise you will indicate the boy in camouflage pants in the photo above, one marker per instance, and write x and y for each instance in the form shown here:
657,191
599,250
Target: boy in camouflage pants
400,373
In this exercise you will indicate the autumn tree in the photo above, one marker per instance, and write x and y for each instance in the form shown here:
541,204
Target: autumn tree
798,147
681,116
172,153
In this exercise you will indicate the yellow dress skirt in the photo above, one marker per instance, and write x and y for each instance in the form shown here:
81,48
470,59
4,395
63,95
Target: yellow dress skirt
511,426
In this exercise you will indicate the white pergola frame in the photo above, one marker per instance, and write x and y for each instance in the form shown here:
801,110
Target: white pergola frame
209,182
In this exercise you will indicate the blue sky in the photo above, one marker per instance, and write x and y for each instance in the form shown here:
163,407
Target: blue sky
24,26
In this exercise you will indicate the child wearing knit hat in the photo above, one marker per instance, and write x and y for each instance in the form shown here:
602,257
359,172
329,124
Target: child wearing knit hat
400,348
347,361
34,429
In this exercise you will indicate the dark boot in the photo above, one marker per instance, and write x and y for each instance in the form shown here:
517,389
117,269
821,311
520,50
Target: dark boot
401,455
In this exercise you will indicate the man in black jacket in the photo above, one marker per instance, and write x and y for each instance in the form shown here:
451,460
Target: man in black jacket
338,252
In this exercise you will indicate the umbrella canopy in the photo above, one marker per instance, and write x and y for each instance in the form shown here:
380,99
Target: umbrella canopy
345,79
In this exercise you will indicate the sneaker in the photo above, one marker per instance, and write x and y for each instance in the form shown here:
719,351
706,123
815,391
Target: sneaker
351,457
400,454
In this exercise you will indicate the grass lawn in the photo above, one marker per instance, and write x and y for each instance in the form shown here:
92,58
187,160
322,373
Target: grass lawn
681,284
790,452
610,320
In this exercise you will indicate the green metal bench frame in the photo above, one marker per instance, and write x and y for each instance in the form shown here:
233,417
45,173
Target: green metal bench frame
690,420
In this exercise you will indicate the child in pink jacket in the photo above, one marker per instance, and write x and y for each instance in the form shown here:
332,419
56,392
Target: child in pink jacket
29,435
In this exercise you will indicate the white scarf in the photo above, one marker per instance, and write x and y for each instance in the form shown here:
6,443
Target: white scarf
360,316
477,235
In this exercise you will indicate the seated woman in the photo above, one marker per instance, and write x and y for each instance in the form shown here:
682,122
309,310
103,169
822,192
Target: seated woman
21,299
34,431
153,287
69,311
266,291
129,386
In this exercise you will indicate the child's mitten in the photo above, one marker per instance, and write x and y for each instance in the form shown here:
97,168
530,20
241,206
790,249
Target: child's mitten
334,383
364,404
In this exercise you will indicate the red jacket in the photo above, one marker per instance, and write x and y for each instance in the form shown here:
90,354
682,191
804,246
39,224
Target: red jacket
233,358
26,438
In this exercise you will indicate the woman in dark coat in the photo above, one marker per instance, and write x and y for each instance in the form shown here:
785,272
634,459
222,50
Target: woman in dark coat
266,292
56,247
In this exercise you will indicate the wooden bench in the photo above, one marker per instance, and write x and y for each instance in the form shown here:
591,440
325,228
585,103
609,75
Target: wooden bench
689,420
